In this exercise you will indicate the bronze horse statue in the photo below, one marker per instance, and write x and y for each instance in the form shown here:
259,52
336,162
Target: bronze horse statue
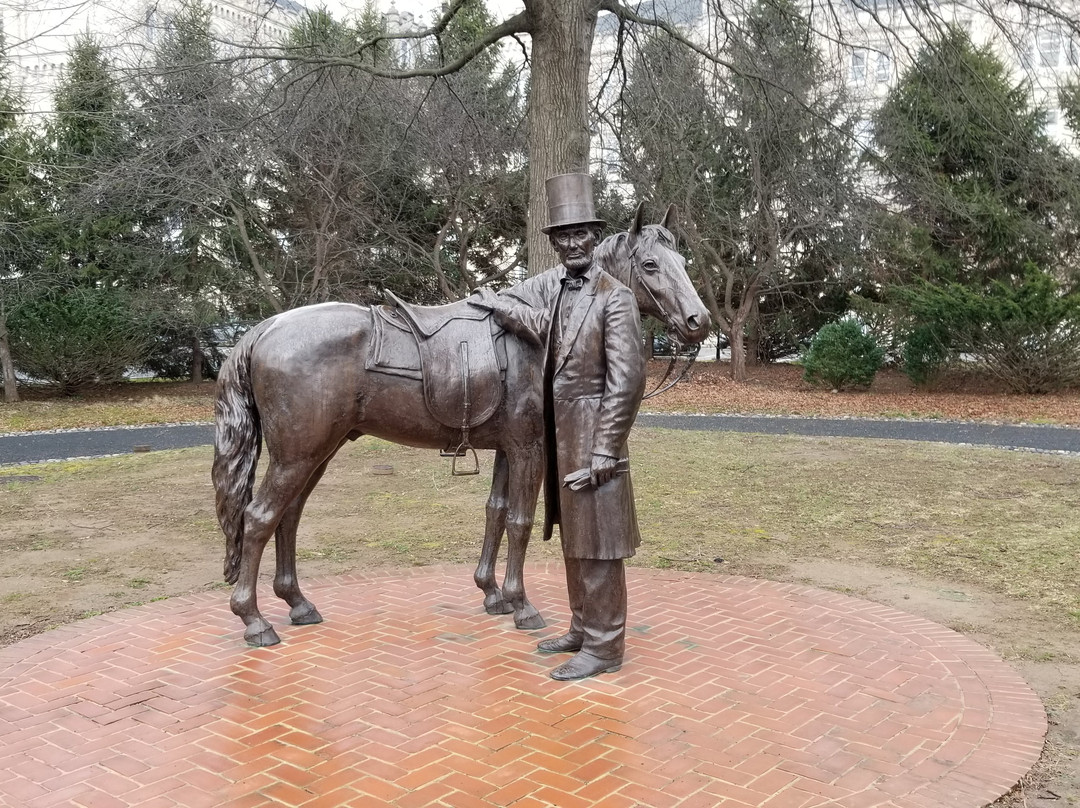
309,379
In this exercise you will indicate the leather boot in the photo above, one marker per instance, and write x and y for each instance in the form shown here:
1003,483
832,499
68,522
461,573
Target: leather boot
573,638
560,645
583,665
603,619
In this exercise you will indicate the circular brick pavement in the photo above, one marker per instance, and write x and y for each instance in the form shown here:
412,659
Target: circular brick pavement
735,692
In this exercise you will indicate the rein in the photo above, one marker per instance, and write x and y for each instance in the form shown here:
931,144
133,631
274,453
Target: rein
635,277
685,371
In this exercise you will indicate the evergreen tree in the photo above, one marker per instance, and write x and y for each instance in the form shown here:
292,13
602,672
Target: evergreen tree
982,190
18,256
193,175
81,241
348,209
983,203
95,234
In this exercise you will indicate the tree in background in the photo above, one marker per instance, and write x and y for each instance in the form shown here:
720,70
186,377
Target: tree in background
95,235
193,174
982,202
75,323
79,336
981,188
348,211
759,159
17,197
673,145
471,137
1023,331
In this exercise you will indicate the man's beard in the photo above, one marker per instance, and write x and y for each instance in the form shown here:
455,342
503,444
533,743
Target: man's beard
577,265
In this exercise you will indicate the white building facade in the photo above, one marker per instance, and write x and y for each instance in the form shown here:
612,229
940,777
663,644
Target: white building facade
872,42
39,34
875,41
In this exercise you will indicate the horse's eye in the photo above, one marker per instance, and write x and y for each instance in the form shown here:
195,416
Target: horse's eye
650,265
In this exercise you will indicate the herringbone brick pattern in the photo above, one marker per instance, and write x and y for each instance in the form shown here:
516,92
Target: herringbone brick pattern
735,693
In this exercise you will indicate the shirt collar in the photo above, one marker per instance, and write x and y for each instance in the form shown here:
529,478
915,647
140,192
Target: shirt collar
588,276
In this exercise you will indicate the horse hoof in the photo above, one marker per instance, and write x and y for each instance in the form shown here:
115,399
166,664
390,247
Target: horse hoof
529,623
262,638
305,615
499,606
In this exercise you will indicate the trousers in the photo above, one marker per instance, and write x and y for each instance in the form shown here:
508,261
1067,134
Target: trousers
597,592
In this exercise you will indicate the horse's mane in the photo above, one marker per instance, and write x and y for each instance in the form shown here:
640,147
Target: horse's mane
610,255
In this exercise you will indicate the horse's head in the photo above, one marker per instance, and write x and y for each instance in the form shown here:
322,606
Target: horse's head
645,259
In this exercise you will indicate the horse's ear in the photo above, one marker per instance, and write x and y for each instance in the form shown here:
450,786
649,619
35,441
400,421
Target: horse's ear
669,218
635,228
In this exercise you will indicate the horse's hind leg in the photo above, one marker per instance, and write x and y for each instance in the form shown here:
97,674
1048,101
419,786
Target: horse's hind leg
279,488
286,583
494,526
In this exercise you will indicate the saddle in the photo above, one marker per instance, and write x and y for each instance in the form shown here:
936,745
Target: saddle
456,350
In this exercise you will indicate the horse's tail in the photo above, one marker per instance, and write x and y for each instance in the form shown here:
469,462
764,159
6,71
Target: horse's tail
237,445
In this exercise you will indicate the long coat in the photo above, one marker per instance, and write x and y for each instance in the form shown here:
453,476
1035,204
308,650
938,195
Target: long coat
594,382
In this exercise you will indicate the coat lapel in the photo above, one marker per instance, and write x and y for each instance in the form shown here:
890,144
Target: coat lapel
577,316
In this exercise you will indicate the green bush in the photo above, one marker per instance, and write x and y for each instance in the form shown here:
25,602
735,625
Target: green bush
74,338
1025,331
841,356
924,354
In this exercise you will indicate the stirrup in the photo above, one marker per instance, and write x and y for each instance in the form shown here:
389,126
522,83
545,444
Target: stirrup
464,447
464,450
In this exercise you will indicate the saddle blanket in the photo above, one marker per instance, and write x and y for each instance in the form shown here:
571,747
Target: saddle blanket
393,347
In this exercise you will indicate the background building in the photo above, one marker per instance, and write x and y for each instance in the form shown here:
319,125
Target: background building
39,34
876,40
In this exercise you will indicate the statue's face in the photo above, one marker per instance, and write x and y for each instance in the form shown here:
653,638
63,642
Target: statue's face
574,245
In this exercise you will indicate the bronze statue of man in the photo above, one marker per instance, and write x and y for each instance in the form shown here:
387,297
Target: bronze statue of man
594,381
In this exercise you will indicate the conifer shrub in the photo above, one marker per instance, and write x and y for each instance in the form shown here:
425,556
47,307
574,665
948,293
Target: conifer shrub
1025,331
74,338
842,355
924,355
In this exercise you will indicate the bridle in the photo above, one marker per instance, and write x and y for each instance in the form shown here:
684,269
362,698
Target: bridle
676,345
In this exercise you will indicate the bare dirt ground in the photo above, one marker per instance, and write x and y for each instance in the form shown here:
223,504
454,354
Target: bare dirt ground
938,531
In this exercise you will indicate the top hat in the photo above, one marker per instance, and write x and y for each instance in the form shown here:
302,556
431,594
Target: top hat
570,201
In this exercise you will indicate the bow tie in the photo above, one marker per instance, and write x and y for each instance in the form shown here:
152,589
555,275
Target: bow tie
573,283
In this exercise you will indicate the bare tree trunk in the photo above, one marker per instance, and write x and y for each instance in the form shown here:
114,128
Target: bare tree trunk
196,358
738,347
562,34
11,392
753,335
739,320
436,261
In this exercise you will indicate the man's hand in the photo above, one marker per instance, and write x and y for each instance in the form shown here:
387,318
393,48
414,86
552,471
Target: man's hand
604,469
484,298
527,322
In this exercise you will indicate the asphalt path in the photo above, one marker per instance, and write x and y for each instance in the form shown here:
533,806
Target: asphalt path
36,447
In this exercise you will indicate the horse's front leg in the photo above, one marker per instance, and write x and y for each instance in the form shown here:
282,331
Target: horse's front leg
526,475
494,526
